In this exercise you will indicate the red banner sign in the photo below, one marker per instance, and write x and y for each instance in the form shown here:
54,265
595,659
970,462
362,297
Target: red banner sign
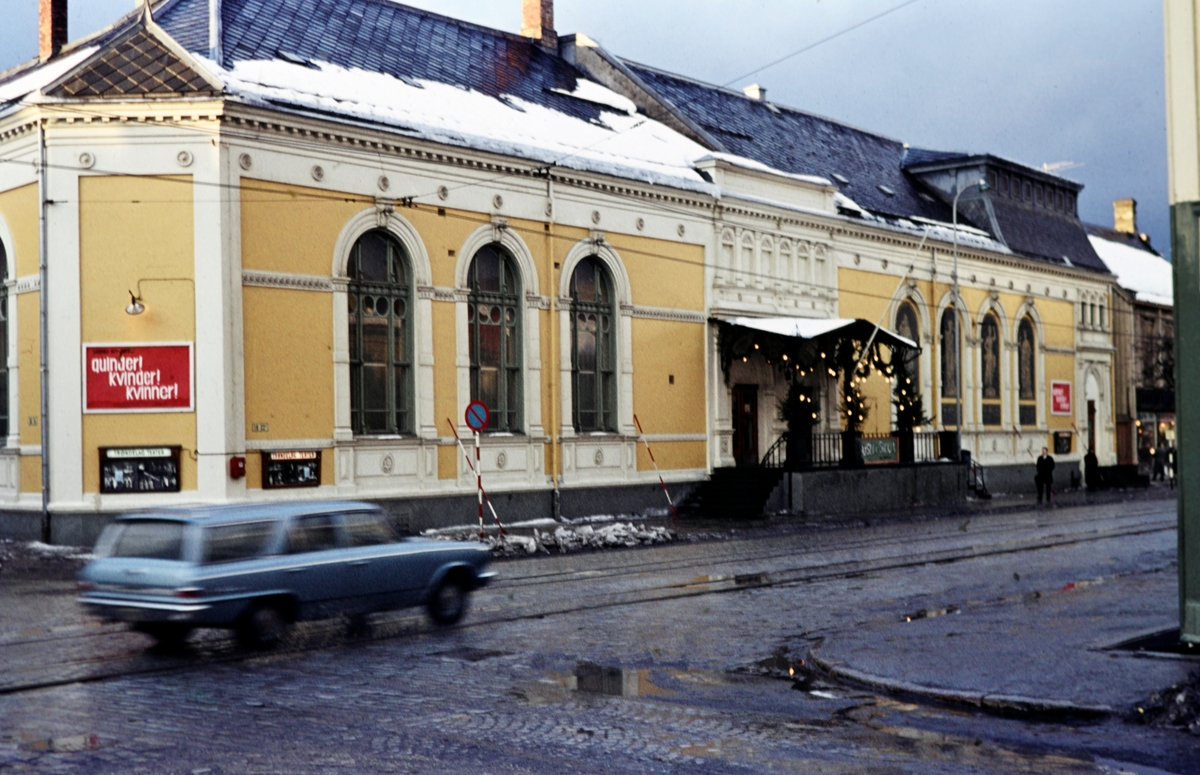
137,378
1060,398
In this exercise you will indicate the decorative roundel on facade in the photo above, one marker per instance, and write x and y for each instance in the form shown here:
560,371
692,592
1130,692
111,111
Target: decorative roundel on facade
1047,291
501,460
497,201
549,209
972,278
318,172
595,216
87,160
682,230
885,263
387,464
1064,294
184,158
384,183
1010,285
641,224
1029,287
443,193
599,457
857,260
245,162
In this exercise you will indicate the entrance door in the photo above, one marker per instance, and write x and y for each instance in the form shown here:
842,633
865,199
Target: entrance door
1091,406
745,425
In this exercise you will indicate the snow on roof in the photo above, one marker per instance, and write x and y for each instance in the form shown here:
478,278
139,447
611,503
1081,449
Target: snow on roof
621,143
756,166
1147,275
43,75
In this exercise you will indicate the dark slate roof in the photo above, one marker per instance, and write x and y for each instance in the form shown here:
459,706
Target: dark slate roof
801,143
1044,234
386,37
1136,241
140,65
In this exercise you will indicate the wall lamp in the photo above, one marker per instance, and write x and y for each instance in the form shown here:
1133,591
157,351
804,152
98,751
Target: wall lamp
135,306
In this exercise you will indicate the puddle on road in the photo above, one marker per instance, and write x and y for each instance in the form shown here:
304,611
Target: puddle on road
469,654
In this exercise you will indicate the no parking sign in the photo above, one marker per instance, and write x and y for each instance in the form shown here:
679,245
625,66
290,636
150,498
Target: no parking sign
477,416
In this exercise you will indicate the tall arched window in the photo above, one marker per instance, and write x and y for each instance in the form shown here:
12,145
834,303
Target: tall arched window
593,348
949,337
906,326
1027,373
3,345
378,302
494,317
989,352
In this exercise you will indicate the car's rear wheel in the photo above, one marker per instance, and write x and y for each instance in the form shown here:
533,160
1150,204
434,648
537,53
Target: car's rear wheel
167,635
263,626
449,601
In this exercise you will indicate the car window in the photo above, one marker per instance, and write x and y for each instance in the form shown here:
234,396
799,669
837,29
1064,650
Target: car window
239,541
364,528
312,534
153,539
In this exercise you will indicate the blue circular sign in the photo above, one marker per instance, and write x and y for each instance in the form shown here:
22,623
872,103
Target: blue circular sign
477,415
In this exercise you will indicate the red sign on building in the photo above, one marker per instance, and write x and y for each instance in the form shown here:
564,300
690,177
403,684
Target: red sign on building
137,377
1060,398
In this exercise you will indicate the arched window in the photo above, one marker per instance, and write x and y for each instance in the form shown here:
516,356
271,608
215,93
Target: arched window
378,302
494,318
949,336
906,326
989,351
593,348
1026,373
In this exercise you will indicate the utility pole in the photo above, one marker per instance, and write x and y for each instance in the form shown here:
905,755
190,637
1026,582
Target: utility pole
1182,59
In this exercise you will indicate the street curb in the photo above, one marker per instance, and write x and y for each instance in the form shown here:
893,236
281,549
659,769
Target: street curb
1009,704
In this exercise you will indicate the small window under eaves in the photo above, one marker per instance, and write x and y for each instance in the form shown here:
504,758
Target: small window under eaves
845,181
295,59
886,190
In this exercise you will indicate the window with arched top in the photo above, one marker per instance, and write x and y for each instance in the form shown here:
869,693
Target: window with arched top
1027,373
494,333
949,375
379,301
989,357
593,348
907,327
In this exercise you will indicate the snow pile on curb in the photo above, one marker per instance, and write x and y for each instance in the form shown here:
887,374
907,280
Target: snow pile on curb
1177,706
571,538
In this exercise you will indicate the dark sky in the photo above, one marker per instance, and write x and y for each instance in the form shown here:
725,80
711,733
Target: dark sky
1036,81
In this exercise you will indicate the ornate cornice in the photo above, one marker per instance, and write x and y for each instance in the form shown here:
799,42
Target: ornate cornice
285,280
664,313
27,284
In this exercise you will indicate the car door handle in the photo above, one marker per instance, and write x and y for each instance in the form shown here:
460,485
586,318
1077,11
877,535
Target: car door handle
360,563
295,570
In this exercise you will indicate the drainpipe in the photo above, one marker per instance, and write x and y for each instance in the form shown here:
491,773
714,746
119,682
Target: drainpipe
44,197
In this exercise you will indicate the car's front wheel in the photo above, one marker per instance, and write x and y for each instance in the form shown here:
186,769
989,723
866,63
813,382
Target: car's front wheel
263,626
449,601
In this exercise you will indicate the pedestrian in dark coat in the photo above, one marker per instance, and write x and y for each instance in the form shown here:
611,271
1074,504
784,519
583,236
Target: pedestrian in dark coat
1045,475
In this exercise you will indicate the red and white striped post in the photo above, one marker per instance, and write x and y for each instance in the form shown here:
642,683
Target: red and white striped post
650,452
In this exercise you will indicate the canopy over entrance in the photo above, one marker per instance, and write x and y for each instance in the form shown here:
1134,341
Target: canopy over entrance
806,328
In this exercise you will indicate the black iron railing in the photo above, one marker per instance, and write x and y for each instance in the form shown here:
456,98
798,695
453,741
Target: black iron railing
826,450
776,456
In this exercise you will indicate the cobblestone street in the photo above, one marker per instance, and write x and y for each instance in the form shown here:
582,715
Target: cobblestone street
631,661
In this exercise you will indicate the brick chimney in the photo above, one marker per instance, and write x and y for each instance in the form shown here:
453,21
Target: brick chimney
538,22
1125,215
755,92
52,28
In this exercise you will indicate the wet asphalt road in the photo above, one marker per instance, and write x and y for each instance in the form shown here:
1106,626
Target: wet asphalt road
532,682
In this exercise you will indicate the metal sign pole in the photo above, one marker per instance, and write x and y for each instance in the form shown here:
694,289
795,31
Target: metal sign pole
479,484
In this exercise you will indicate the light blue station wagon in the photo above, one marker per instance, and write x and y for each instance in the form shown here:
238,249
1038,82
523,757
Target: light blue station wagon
258,568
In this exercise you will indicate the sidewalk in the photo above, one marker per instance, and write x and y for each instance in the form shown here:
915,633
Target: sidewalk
1041,653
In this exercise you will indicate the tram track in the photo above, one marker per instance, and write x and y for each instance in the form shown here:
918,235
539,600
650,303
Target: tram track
108,654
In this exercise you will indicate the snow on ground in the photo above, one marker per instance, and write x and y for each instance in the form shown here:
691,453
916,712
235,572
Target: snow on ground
564,538
623,143
1147,275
